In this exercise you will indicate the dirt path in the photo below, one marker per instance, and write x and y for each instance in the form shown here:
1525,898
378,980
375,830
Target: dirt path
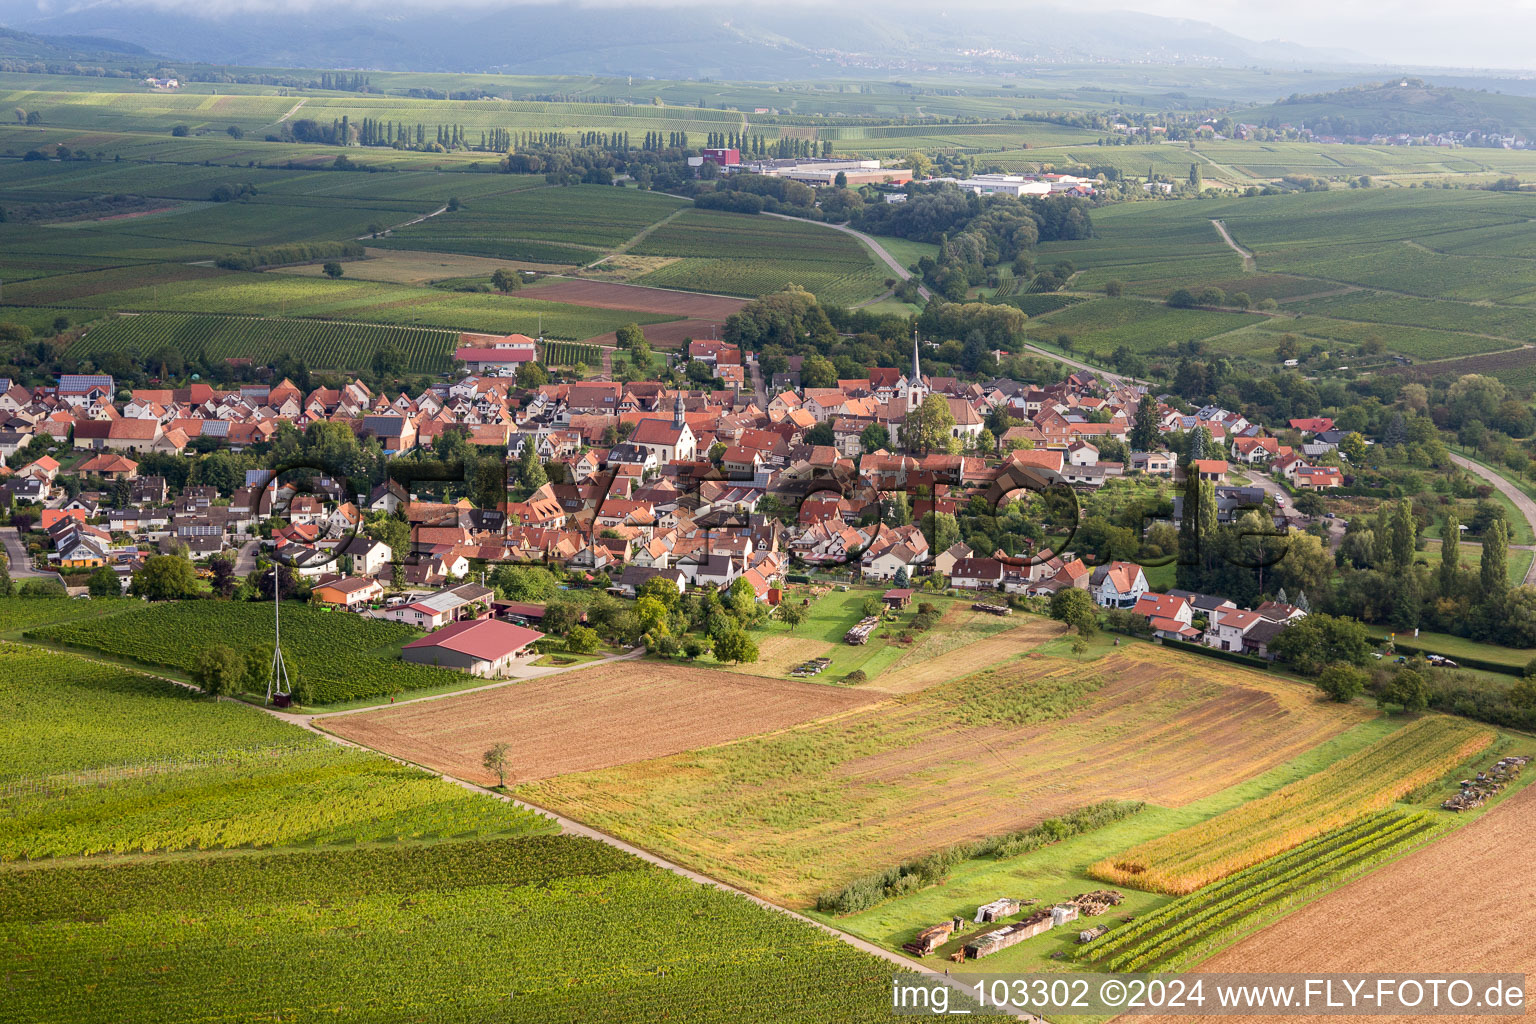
414,220
291,111
1521,500
1226,236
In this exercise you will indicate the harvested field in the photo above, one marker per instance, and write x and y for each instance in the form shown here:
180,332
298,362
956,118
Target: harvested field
608,295
802,811
1480,919
590,718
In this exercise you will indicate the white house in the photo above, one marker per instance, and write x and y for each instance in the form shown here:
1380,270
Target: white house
1118,585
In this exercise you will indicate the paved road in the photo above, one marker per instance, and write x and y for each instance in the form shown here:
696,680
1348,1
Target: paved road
1522,500
245,558
1109,377
20,561
758,387
878,249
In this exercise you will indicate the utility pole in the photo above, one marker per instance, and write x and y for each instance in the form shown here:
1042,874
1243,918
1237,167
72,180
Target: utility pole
277,683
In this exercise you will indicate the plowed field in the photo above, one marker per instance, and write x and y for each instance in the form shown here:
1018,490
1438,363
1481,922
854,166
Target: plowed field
798,812
591,718
1466,903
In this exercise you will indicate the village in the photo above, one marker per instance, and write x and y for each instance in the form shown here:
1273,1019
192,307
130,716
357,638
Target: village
636,481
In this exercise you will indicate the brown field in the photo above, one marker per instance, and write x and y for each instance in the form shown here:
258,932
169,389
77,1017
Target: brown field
609,295
590,718
668,335
407,266
1466,903
795,813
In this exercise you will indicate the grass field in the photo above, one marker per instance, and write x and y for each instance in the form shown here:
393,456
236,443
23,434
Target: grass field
1102,325
1361,784
793,814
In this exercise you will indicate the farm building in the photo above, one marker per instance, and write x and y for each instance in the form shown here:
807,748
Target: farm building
481,647
898,597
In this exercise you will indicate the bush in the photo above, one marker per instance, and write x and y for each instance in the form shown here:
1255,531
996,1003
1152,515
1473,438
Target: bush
1342,682
855,677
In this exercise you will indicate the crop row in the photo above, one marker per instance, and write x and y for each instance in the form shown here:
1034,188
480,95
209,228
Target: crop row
547,929
569,353
320,344
330,655
309,795
1191,927
65,713
1356,786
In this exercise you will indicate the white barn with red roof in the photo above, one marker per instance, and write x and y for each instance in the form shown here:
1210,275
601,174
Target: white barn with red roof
481,647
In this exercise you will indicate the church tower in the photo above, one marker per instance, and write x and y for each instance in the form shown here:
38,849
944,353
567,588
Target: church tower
677,413
916,392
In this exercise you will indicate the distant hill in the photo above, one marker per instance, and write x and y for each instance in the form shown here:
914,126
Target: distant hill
73,48
747,42
1408,105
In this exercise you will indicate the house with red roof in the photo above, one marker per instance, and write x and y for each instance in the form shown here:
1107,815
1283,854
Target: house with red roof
481,647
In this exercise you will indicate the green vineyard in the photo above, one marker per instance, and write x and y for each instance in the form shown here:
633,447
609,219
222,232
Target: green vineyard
330,654
1191,928
569,353
322,345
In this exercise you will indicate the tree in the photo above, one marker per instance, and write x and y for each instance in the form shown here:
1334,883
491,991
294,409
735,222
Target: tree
928,428
530,471
1114,289
504,280
1079,646
652,617
1493,568
1195,178
164,578
792,614
392,531
821,435
528,583
1144,433
560,617
332,269
1353,448
902,579
1450,556
582,640
1407,689
942,530
1404,535
218,670
497,762
1075,608
695,647
1341,682
661,589
874,437
1306,565
628,335
532,375
1312,643
736,647
103,583
224,580
1181,298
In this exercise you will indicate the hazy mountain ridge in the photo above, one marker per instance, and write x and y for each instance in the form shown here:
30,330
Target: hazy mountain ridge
659,41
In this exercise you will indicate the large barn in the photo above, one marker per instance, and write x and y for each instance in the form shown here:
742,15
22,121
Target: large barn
481,647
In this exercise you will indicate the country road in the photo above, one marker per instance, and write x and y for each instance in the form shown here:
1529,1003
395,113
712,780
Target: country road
1521,500
874,246
20,561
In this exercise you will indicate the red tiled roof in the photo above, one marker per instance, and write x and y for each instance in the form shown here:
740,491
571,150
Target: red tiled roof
485,639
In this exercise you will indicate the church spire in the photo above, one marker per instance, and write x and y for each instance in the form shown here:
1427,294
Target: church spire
677,413
917,373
